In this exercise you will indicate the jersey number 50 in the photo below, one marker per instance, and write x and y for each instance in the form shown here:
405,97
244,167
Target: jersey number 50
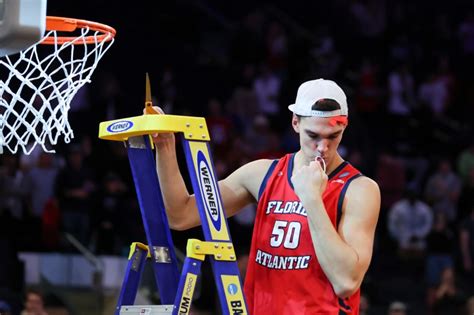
287,233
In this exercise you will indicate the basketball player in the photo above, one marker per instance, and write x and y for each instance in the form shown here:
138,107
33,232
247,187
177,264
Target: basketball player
316,214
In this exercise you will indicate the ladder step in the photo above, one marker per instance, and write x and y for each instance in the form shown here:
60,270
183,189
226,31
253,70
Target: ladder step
146,310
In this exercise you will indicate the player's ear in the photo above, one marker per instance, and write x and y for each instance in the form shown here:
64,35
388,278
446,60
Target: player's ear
295,122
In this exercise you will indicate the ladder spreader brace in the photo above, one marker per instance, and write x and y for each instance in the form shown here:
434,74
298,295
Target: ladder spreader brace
176,291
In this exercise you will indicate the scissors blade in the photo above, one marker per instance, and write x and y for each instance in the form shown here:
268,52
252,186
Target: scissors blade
148,100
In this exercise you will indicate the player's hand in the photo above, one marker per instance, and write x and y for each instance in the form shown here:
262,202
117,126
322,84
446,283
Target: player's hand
310,181
162,138
153,110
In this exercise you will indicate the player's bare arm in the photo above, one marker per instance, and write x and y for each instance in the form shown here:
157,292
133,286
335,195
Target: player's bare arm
237,190
344,255
357,228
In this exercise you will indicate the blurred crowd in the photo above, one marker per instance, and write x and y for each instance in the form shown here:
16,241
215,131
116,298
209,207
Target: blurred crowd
407,70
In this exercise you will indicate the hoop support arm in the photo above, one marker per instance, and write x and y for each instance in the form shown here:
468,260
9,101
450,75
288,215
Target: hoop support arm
193,128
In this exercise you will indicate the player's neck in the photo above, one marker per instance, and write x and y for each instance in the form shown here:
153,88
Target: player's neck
336,161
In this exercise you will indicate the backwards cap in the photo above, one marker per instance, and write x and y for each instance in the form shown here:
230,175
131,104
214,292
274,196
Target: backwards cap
313,91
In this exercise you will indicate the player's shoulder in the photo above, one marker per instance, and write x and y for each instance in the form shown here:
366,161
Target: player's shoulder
364,186
363,197
252,174
257,167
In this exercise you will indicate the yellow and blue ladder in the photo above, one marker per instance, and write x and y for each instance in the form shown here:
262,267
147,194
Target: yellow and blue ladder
176,290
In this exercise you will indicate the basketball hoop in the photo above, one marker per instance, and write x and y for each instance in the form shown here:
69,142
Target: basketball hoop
40,82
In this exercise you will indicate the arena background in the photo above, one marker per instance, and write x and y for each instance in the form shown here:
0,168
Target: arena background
406,67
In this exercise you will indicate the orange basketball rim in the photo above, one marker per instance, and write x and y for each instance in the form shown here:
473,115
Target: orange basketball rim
62,24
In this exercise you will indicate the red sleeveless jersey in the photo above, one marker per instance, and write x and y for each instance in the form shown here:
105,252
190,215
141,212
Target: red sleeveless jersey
283,275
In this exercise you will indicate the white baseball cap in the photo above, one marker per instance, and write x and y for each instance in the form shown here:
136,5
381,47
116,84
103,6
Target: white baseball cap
315,90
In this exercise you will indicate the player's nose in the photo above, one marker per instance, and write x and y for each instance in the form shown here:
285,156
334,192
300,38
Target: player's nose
322,146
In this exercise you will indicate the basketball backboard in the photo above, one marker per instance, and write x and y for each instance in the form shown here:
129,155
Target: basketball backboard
22,24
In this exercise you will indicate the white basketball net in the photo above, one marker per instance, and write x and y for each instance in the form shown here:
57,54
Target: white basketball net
37,87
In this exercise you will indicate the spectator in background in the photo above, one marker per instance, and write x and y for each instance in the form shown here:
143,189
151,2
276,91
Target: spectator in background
397,308
416,166
239,153
75,185
267,88
466,161
401,99
390,175
369,92
369,17
41,203
440,244
409,222
466,197
39,185
466,245
272,149
51,225
449,299
466,34
112,156
220,127
258,134
442,190
110,202
245,77
243,103
433,94
401,47
276,47
436,91
326,61
34,303
11,180
448,78
401,91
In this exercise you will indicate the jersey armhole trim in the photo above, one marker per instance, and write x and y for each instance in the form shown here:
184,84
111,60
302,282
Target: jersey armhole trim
265,179
340,201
